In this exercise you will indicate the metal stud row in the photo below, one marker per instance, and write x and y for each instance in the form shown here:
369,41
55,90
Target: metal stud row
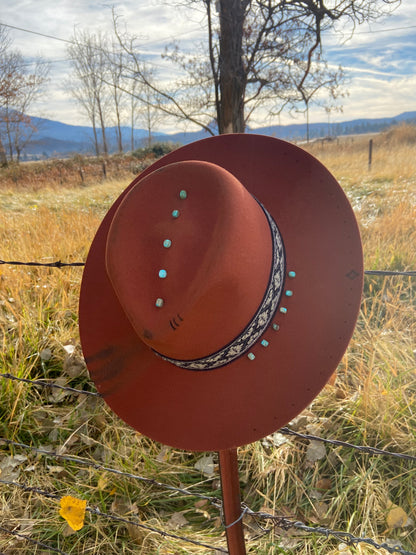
167,243
275,326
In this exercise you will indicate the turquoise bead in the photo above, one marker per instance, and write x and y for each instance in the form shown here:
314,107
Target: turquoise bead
251,356
283,310
265,343
162,273
159,303
275,327
288,293
167,243
183,194
175,213
292,274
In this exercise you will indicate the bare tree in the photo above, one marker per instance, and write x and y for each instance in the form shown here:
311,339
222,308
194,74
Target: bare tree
20,85
254,48
321,80
88,53
116,84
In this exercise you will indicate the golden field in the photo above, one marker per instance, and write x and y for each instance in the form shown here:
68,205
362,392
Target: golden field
370,401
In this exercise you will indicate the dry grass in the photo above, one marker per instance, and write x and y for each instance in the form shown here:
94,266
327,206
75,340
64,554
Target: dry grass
371,401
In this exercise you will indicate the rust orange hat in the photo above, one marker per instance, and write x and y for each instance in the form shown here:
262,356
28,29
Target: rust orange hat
221,291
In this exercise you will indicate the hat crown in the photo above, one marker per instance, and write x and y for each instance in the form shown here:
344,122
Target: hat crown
189,255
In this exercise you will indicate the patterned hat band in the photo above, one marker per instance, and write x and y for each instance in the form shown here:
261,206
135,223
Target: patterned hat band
260,321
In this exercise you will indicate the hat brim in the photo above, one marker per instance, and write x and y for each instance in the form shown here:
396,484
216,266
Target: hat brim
245,400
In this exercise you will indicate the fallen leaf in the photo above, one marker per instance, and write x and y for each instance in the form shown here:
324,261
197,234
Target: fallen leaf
9,467
74,365
163,454
177,520
70,349
73,511
206,465
102,482
68,531
55,469
396,517
45,355
343,549
323,484
315,451
277,439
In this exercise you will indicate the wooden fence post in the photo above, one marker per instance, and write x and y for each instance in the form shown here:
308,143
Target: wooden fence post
370,153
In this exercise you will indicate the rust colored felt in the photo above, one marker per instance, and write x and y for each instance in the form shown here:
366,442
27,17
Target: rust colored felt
212,245
217,269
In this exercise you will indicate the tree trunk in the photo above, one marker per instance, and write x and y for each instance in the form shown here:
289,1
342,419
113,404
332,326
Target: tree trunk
3,157
232,75
101,117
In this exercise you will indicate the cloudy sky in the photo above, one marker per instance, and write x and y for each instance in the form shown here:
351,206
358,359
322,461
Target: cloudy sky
379,60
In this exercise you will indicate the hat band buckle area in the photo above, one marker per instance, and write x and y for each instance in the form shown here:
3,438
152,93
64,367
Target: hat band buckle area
260,321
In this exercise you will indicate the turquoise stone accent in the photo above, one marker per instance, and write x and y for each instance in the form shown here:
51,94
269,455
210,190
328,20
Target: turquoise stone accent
167,243
292,274
265,343
275,327
183,194
288,293
162,273
159,302
251,356
175,213
283,310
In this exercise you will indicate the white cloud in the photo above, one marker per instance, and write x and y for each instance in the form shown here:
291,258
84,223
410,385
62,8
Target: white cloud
381,65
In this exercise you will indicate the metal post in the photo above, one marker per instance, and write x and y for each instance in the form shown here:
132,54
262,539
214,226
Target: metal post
231,499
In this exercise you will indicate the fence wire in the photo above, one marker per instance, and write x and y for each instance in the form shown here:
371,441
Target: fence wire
285,431
346,537
97,466
59,264
276,521
114,518
42,383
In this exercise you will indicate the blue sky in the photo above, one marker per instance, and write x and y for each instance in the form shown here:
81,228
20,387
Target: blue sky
379,60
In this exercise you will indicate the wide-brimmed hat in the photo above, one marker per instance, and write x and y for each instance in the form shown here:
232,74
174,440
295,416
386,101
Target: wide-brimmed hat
221,291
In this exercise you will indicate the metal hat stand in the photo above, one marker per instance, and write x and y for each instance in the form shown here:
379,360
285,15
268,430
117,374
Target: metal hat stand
231,499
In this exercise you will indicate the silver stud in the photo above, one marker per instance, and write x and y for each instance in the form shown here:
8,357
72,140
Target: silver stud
159,302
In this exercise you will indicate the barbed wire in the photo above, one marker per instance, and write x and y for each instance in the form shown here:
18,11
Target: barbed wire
285,430
362,448
59,264
43,383
32,541
347,537
410,273
97,466
278,522
98,512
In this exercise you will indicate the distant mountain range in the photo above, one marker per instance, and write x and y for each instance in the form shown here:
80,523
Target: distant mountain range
56,139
